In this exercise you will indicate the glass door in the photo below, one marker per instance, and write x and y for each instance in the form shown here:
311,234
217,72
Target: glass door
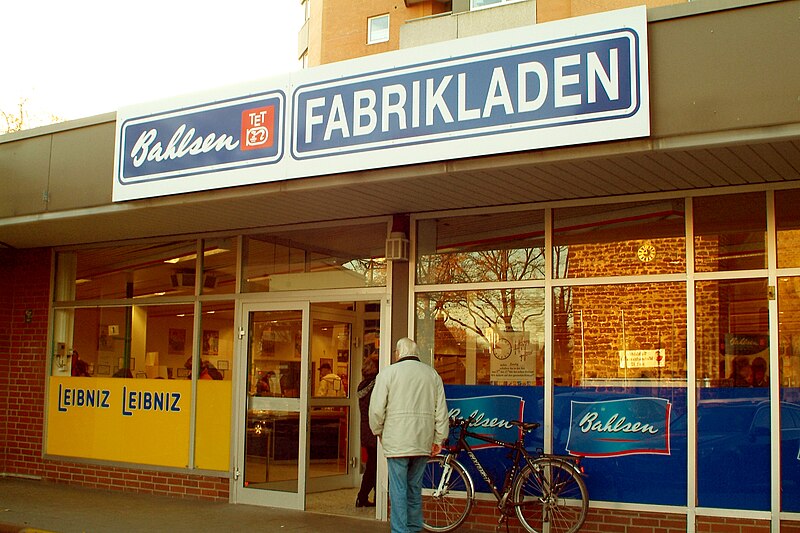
271,463
333,407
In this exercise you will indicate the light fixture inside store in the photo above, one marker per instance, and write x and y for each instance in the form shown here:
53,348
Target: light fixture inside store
193,256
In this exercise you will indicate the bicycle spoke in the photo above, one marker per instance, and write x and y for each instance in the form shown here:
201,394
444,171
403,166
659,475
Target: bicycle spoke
550,497
446,496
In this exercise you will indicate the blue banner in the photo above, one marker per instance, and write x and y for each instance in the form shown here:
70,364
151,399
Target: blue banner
612,428
571,81
491,415
566,82
225,135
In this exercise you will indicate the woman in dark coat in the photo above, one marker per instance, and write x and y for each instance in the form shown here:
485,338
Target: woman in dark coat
369,442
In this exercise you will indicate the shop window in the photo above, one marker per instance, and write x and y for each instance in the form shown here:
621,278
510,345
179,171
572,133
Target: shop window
146,342
787,221
628,335
640,238
619,363
481,248
318,258
133,271
733,430
730,232
492,337
378,29
789,366
218,265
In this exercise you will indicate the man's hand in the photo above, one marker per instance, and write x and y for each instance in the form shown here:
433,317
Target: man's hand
436,449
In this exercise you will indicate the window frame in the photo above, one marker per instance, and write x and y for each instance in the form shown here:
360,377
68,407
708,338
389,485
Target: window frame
371,37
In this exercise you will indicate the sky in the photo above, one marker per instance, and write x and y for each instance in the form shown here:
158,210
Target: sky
86,57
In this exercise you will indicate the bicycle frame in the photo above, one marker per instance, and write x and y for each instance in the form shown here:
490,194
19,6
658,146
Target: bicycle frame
511,473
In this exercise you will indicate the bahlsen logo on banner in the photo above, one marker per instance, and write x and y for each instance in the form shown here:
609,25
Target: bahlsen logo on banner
574,81
237,133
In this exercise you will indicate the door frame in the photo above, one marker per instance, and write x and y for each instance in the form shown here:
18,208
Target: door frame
240,493
333,482
301,300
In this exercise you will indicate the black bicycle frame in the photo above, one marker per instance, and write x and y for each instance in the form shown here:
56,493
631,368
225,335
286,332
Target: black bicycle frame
511,473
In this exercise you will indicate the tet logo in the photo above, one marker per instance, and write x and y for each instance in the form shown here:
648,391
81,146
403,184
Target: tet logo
257,125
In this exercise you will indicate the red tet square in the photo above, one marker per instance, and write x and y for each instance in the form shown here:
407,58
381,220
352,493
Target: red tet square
258,128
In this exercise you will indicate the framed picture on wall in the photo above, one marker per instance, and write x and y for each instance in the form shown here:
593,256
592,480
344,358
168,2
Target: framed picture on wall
210,342
105,342
177,341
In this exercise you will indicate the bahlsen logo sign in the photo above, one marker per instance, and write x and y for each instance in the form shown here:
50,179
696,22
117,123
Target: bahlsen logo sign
574,81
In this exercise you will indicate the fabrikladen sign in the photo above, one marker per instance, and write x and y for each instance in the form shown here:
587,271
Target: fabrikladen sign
569,82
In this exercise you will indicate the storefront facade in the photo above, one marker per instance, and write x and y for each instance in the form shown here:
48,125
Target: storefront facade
625,274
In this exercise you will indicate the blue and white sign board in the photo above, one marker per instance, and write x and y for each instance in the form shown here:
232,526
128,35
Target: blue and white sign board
575,81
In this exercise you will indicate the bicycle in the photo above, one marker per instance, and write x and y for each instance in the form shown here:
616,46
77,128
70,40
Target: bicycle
544,490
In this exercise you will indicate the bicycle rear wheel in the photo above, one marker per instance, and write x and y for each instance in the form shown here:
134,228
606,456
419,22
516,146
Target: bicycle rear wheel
550,491
445,503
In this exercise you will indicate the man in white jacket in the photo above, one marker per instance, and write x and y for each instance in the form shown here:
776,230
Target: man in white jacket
408,413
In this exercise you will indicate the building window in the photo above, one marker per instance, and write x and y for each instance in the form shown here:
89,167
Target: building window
378,29
484,337
630,239
730,232
480,4
481,248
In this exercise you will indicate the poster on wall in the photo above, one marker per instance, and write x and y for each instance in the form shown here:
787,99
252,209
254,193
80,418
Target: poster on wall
612,428
513,358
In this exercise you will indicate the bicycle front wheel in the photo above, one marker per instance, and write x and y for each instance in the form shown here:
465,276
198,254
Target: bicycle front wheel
550,491
447,493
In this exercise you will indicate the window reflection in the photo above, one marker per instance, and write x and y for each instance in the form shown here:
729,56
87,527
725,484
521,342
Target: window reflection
318,258
133,271
484,337
789,354
275,344
619,240
218,266
732,333
733,429
619,335
730,232
787,221
500,247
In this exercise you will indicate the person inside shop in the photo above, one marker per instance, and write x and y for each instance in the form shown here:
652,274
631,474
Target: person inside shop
268,385
408,413
79,366
207,370
742,372
759,366
369,442
329,384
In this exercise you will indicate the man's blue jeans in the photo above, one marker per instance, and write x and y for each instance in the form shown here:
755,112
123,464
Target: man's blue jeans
405,493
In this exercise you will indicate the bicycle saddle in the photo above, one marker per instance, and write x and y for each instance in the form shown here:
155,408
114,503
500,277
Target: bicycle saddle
526,426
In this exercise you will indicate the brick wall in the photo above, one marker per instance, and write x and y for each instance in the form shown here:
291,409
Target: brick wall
25,285
714,524
484,517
